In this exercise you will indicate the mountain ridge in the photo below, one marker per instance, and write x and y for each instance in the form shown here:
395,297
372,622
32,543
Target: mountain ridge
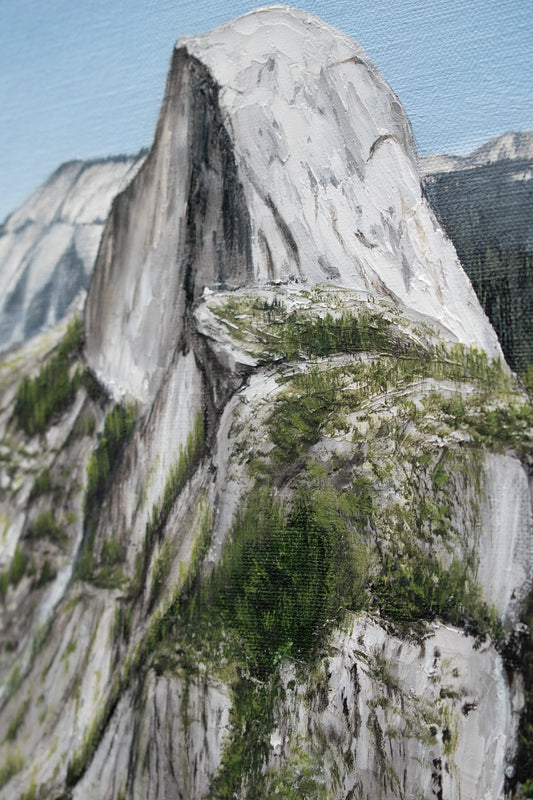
511,146
48,246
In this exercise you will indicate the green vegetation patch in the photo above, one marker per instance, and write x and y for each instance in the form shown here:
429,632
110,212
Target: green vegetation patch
81,758
301,776
243,759
269,329
161,569
43,484
4,583
11,767
118,428
17,568
391,540
53,390
287,575
104,572
109,574
378,526
45,526
16,722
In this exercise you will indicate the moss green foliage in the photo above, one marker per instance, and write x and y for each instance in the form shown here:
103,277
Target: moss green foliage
45,526
109,575
18,565
527,377
47,573
243,760
413,586
40,637
122,625
178,475
301,413
53,390
94,389
291,568
85,564
4,583
160,569
112,551
393,539
43,484
80,759
85,425
104,572
32,793
301,777
11,767
118,428
309,332
286,576
272,330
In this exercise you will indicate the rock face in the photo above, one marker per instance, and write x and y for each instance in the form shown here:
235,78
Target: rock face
292,561
280,155
48,247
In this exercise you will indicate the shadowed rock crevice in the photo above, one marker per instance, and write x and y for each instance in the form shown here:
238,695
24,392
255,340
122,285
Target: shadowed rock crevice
218,232
182,224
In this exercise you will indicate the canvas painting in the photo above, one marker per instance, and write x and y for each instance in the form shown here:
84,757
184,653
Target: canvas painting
266,364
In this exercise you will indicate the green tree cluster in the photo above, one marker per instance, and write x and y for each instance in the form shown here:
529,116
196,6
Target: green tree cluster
53,389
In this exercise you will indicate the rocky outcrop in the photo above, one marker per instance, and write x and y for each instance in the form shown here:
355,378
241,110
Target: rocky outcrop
48,246
280,155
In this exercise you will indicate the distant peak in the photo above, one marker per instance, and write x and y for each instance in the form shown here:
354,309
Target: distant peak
511,146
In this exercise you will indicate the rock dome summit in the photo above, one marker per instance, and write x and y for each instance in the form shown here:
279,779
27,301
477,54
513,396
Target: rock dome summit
280,155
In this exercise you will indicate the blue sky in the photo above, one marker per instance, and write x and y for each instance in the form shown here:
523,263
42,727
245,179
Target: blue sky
81,79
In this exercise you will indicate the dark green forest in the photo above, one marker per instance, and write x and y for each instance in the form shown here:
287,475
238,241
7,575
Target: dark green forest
487,212
503,282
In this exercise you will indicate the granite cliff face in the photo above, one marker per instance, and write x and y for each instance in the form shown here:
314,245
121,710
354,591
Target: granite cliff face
280,155
268,533
49,245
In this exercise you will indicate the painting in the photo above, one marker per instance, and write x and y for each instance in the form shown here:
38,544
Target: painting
266,363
